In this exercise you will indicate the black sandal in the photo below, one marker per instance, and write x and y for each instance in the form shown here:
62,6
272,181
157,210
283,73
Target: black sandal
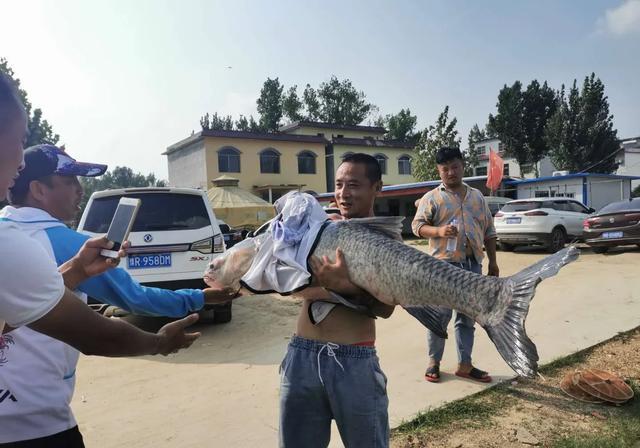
475,375
432,374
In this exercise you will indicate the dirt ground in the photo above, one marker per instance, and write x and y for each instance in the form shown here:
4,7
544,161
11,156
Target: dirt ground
224,390
539,411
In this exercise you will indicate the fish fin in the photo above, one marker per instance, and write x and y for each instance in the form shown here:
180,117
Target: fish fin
389,225
429,316
509,335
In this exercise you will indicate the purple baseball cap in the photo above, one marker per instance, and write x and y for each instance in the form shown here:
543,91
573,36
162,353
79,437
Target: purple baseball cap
43,160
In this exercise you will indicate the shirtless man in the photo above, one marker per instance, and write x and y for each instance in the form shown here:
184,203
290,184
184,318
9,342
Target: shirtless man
331,370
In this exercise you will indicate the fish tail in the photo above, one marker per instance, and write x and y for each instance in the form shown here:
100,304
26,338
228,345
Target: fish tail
509,335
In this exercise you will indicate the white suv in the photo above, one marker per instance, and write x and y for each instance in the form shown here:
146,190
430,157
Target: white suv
173,239
550,222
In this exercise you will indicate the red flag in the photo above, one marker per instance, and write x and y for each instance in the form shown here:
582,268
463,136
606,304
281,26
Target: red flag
494,171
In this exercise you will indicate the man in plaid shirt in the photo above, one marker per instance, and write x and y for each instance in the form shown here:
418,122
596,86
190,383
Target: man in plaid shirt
454,201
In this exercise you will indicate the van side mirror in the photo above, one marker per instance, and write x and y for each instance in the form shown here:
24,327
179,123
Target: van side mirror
592,210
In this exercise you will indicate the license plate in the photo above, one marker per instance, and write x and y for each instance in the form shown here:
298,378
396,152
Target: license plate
514,220
149,261
612,235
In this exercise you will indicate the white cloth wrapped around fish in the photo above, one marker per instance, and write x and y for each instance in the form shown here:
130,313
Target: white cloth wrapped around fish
393,272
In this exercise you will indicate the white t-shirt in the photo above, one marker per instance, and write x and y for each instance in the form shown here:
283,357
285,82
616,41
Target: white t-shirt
31,283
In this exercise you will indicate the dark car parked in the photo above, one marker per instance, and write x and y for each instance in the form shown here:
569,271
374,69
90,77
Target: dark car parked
616,224
231,235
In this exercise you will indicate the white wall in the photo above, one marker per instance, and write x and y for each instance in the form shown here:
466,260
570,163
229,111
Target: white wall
603,191
571,188
187,167
630,164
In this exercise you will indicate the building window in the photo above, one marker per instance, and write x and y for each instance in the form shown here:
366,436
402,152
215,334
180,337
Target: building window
382,161
306,162
500,147
542,194
481,171
404,165
505,170
481,149
269,161
228,160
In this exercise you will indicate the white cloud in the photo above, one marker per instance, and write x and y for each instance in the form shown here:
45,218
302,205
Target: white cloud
625,19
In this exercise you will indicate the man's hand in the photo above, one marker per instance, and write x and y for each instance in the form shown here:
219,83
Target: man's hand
172,337
88,262
214,296
447,231
333,276
494,270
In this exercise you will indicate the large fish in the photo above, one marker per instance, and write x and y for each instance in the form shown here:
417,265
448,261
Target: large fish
398,274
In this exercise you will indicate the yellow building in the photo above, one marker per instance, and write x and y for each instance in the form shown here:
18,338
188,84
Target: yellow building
302,156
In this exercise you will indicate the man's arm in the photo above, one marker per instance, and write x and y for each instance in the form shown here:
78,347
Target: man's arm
88,262
422,223
490,238
73,322
335,276
490,246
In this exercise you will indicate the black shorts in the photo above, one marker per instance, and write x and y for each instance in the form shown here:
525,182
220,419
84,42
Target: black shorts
71,438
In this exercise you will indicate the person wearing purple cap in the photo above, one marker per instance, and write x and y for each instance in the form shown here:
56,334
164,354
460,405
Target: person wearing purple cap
34,292
46,194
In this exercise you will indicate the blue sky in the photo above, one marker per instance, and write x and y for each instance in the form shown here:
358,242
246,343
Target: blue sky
122,80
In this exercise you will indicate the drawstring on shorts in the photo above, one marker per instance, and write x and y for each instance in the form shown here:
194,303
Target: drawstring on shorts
329,346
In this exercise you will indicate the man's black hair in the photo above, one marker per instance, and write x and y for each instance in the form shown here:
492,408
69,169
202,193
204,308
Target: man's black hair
19,197
10,102
372,167
447,154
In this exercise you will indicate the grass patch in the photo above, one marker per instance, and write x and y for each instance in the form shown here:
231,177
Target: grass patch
581,356
621,431
474,412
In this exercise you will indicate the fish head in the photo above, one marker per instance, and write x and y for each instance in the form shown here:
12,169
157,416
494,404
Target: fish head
226,270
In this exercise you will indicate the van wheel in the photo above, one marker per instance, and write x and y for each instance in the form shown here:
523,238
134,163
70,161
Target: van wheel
556,240
506,247
600,249
222,315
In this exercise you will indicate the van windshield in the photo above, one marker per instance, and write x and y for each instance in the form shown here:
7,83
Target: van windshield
158,211
521,206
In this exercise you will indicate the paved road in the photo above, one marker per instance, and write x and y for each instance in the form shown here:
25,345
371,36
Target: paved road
224,391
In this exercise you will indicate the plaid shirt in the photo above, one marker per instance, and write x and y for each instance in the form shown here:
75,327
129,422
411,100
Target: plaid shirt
475,223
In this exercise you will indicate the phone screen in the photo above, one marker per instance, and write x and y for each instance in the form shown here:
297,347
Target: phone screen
122,221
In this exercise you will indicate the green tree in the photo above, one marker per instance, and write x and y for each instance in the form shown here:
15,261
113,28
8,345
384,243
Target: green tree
341,103
581,132
270,105
242,124
400,126
216,122
472,157
119,177
254,126
508,123
539,104
442,133
311,103
291,104
40,131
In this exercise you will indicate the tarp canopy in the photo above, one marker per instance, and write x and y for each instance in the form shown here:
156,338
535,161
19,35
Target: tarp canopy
238,207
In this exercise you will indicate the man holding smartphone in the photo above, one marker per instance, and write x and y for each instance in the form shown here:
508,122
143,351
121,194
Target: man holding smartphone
47,194
33,290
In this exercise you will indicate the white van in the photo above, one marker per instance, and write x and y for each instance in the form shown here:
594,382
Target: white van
173,239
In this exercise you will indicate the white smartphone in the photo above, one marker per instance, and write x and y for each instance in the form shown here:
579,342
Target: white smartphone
121,225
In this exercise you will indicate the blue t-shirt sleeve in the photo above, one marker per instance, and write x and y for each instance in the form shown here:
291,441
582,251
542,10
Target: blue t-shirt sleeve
116,287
